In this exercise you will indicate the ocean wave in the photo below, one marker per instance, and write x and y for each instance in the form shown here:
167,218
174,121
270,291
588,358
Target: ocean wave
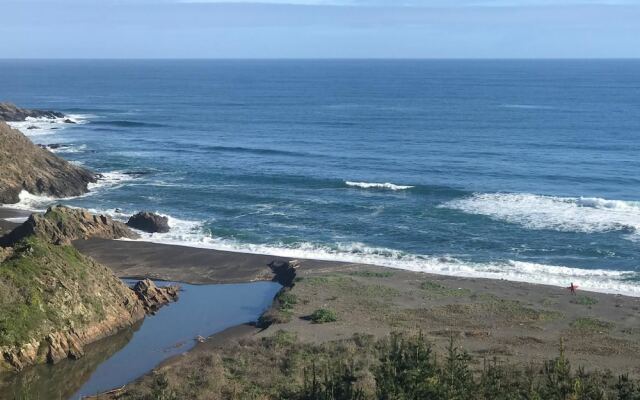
374,185
129,124
194,234
527,106
113,179
48,126
34,202
565,214
67,148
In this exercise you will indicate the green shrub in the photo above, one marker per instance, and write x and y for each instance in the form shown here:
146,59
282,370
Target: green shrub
323,315
372,274
584,300
287,300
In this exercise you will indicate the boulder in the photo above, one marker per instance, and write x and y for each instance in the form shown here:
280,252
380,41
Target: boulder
154,297
149,222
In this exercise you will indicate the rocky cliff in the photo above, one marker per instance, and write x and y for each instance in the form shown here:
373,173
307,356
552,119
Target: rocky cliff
26,166
9,112
54,300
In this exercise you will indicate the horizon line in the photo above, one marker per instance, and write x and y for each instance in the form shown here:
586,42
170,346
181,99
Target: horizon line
320,58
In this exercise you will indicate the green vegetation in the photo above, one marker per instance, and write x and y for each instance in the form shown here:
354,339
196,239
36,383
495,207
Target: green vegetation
587,324
282,313
372,274
25,305
584,300
399,367
323,315
46,288
287,300
436,290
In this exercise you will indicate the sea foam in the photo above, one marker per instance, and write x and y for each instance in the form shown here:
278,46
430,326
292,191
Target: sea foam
566,214
375,185
48,126
194,234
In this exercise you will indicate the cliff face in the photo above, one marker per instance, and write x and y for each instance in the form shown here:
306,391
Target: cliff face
26,166
54,300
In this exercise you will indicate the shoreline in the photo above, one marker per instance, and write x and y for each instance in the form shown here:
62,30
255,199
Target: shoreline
190,264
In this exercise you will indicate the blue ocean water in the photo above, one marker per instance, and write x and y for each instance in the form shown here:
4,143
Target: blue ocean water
523,170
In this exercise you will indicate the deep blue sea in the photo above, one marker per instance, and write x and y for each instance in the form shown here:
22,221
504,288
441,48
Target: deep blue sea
522,170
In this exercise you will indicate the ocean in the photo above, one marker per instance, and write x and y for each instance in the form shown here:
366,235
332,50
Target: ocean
520,170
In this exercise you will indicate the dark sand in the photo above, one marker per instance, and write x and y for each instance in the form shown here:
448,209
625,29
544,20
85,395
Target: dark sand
134,259
6,226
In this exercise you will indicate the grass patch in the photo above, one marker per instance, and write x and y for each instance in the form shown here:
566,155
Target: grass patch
434,289
587,324
584,300
372,274
323,315
287,300
50,288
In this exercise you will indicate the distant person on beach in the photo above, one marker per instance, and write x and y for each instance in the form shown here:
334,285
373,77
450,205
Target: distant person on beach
572,288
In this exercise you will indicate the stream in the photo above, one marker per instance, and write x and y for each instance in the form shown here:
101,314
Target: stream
114,361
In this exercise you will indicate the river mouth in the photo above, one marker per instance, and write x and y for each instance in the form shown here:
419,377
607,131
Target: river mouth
201,310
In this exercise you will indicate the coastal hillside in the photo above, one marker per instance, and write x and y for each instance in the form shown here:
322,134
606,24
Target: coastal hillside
26,166
53,299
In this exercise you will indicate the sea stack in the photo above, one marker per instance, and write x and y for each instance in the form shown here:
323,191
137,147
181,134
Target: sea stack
149,222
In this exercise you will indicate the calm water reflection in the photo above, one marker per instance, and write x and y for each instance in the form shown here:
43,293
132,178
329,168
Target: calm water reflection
114,361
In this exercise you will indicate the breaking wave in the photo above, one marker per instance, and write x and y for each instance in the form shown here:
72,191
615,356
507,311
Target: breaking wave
48,126
374,185
194,234
566,214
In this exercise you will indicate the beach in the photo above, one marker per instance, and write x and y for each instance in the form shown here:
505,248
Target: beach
516,322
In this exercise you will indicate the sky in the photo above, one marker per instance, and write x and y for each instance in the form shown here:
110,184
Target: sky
320,29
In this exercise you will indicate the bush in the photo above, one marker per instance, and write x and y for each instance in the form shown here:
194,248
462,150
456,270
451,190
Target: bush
323,315
287,300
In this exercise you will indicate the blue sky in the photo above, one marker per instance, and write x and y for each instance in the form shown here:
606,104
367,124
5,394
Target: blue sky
320,29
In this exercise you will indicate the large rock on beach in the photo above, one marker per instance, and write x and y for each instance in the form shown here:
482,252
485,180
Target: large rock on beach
9,112
25,166
149,222
62,225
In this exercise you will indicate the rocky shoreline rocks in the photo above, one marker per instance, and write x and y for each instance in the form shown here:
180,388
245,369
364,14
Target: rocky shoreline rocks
26,166
54,300
10,112
62,225
154,297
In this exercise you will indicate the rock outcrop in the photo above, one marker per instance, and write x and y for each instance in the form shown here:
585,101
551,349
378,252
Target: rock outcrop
25,166
149,222
54,301
9,112
153,297
62,225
